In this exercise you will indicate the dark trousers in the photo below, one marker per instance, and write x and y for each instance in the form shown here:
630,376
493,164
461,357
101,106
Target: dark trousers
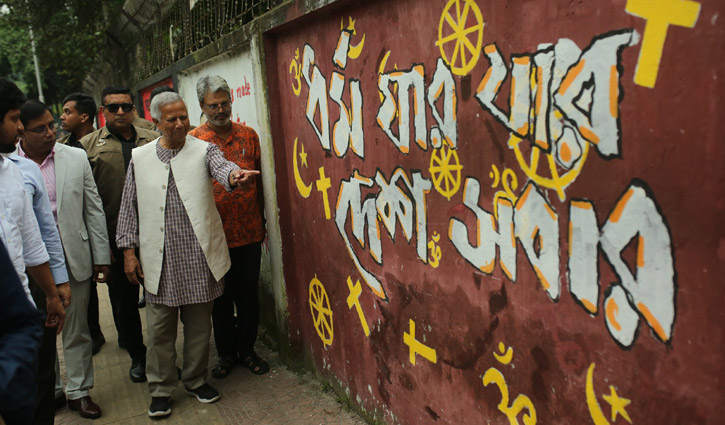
241,289
45,404
124,302
93,317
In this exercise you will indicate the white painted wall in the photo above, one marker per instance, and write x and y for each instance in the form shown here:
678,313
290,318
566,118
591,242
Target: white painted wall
238,72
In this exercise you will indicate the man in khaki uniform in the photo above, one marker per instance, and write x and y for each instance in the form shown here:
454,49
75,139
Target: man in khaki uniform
109,151
79,111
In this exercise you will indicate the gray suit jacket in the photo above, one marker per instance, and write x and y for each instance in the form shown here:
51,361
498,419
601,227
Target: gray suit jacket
81,220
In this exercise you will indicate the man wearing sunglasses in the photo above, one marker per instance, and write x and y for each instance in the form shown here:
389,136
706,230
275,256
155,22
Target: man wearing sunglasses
109,151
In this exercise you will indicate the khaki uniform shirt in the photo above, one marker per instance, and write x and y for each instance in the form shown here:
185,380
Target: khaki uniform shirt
139,122
69,140
106,156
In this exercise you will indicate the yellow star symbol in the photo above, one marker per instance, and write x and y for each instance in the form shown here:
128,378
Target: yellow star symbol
303,156
618,404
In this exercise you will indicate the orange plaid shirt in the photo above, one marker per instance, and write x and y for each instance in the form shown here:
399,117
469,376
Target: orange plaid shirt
240,209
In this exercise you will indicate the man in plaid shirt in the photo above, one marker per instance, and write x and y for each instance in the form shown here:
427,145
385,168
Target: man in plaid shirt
168,213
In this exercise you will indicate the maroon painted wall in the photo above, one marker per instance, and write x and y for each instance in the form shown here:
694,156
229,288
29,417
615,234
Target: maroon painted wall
526,232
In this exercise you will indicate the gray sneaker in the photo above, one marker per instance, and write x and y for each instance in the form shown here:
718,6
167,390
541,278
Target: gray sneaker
205,393
160,407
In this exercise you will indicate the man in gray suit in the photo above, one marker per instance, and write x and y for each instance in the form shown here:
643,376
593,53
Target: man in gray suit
81,221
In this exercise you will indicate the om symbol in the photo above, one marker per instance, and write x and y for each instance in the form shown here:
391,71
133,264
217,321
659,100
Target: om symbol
521,402
435,250
294,69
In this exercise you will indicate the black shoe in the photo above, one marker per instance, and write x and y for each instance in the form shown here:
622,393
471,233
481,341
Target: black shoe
59,401
205,393
137,371
96,343
160,407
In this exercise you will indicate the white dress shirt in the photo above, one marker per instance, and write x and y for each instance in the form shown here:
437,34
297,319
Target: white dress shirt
18,227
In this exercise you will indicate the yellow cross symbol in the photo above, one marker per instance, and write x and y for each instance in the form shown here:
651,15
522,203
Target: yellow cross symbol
354,300
417,347
660,14
323,183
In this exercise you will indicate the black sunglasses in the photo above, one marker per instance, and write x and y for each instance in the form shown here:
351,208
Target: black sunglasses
113,107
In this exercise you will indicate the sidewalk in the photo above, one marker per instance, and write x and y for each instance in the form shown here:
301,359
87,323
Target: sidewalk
278,397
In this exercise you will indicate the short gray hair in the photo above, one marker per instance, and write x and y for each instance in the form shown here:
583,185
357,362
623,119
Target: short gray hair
211,84
160,100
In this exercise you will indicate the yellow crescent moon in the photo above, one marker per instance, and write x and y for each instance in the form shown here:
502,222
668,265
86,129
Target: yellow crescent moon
594,409
301,187
355,50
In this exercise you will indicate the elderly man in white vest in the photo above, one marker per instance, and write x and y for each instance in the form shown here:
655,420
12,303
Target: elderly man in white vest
168,214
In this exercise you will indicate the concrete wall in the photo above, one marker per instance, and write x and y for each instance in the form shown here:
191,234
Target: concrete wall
237,70
504,212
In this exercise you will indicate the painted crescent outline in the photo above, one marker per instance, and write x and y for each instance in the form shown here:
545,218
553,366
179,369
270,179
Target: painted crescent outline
301,186
594,409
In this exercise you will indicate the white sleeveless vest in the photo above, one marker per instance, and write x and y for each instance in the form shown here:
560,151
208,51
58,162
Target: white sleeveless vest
195,189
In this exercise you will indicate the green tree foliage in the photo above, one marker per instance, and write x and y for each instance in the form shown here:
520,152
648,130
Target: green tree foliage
68,36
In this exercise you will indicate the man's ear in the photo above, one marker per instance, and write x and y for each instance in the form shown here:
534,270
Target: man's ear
85,118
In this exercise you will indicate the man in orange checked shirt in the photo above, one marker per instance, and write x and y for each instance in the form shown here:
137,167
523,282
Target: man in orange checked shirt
241,212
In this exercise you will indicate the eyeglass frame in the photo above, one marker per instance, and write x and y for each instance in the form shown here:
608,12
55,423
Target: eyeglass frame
114,107
40,130
215,106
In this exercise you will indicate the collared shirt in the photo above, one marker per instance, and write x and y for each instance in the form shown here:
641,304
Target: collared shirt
47,168
126,145
36,192
105,154
70,140
185,275
18,227
240,209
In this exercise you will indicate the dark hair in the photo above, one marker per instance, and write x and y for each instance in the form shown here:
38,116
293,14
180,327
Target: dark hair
10,97
31,110
115,90
84,103
160,89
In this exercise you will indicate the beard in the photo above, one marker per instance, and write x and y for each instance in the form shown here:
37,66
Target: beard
9,145
219,123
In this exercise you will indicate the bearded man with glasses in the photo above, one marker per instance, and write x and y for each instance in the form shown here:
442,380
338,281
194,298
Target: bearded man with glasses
109,152
242,214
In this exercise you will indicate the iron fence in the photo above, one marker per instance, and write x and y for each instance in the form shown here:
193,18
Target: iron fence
182,30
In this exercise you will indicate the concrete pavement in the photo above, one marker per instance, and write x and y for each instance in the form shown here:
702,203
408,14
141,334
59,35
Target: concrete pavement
278,397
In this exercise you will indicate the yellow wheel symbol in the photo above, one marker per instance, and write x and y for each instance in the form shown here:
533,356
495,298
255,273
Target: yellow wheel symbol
455,35
321,312
445,169
550,178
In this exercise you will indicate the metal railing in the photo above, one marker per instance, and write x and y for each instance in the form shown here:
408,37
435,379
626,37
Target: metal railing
183,30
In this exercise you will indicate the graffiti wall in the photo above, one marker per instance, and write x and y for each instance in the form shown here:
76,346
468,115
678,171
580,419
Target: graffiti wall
505,212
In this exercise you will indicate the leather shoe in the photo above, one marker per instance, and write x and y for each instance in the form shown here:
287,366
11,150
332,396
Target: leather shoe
137,371
86,407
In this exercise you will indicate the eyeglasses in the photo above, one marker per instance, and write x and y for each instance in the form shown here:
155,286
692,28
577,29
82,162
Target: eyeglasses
43,128
113,107
215,106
